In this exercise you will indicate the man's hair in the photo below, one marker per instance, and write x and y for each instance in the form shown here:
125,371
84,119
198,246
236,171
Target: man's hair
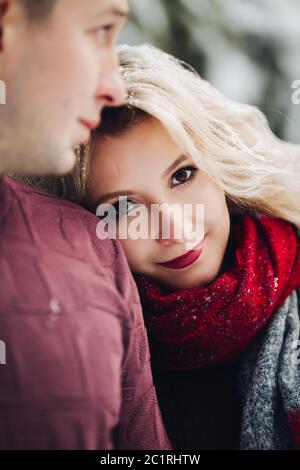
37,9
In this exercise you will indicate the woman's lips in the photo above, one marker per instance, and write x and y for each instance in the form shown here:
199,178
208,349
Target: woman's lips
186,259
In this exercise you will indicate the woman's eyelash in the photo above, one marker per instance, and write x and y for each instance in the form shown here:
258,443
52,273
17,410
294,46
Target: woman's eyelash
190,168
119,214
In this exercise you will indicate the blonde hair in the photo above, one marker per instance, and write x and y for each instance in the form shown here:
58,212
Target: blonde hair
230,141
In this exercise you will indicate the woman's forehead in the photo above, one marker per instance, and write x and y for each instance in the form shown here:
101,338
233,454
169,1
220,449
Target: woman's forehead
144,145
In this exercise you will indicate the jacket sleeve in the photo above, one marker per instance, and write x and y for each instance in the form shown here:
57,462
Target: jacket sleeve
141,426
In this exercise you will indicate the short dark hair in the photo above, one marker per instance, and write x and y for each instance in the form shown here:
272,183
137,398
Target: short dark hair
37,9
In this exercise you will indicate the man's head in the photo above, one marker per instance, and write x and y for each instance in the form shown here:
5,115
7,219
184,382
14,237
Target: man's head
37,9
58,62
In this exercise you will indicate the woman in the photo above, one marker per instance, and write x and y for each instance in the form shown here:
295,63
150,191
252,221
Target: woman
222,318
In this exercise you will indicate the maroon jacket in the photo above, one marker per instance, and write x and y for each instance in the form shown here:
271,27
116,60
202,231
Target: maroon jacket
77,372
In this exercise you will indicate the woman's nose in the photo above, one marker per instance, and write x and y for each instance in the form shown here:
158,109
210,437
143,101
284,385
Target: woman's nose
171,227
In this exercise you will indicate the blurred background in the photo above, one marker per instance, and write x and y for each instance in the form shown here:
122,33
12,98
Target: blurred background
248,49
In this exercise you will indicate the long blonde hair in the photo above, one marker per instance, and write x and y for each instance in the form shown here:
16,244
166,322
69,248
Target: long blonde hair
230,141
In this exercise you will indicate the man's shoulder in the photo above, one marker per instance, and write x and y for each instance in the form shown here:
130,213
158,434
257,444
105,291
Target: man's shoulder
52,223
12,189
49,237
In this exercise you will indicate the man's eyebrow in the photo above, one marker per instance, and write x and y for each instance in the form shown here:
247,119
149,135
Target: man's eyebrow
118,12
182,158
107,196
114,11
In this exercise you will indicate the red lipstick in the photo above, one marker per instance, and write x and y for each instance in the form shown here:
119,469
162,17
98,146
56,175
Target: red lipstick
186,259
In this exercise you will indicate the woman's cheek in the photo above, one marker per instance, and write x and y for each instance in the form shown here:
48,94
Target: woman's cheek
214,203
135,253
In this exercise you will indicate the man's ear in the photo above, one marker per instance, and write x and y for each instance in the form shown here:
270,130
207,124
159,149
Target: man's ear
4,5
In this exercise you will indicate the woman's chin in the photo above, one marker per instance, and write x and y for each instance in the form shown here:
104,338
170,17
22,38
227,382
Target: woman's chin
181,282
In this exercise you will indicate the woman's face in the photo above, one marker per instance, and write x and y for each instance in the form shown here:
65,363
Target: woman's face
136,165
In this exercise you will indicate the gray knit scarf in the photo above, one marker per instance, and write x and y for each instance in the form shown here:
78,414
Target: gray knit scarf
269,383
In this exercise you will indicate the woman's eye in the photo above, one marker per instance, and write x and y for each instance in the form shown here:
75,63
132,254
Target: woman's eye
123,207
183,175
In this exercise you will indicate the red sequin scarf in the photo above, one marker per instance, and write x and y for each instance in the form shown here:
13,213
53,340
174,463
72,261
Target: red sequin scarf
191,328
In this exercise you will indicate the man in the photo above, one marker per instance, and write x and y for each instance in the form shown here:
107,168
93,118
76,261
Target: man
77,364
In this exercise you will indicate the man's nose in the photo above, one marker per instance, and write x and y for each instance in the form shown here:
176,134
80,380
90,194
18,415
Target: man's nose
111,87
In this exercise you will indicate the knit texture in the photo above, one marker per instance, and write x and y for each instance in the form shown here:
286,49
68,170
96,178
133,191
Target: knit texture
77,372
190,328
248,316
269,383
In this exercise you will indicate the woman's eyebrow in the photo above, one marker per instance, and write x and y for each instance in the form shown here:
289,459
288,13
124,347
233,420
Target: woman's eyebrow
128,192
107,196
180,159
